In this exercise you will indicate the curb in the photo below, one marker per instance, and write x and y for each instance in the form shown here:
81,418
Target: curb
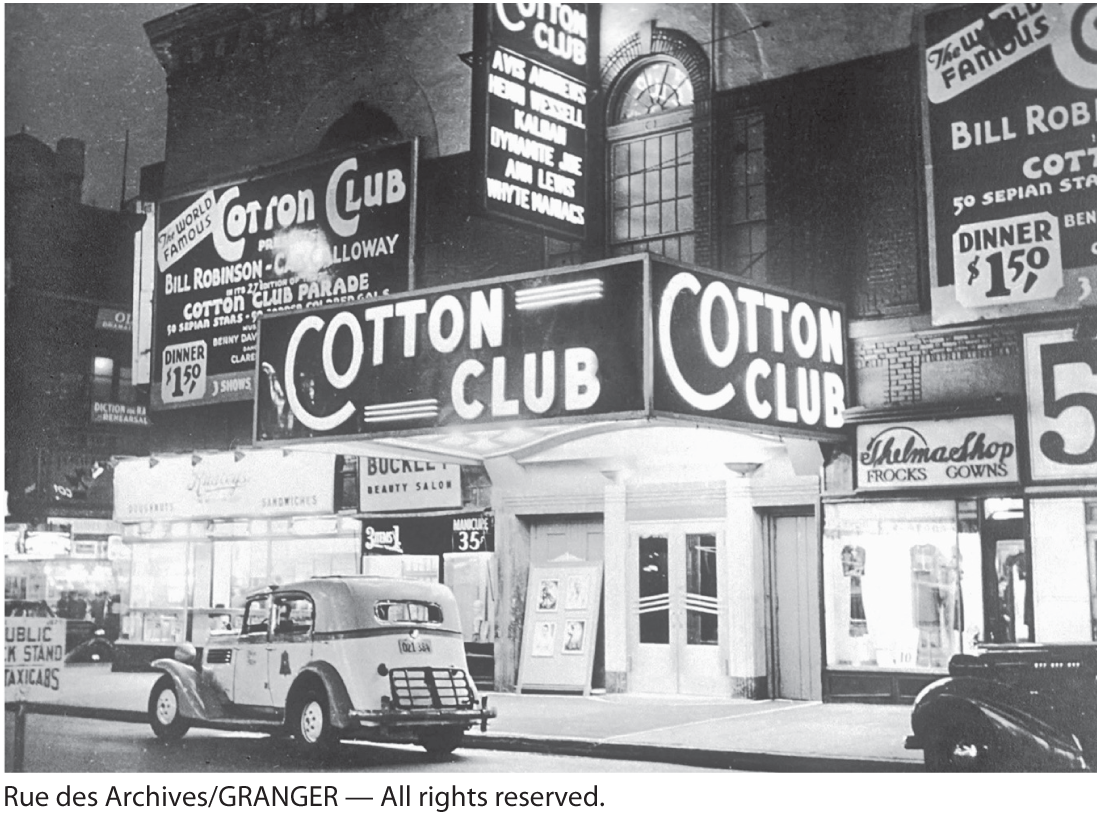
692,756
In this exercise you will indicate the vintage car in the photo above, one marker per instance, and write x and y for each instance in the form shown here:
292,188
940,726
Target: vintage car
326,659
1017,708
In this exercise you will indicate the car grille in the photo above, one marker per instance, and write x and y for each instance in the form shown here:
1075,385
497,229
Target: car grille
219,656
418,688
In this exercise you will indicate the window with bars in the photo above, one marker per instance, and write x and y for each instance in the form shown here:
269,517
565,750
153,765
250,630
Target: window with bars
743,216
651,173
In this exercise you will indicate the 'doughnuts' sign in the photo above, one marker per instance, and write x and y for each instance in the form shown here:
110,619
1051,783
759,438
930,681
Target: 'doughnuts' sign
332,231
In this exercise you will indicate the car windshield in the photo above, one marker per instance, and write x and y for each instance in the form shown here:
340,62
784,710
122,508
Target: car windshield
407,611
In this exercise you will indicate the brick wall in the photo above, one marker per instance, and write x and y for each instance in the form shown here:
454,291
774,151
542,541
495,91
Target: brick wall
962,364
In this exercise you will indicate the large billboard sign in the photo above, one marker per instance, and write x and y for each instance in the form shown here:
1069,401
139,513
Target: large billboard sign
1010,151
627,338
336,230
534,66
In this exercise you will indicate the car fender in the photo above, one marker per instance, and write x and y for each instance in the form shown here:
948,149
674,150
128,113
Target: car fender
1007,712
339,701
201,698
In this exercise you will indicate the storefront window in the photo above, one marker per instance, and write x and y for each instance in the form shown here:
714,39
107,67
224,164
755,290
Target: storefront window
293,560
158,577
470,575
896,583
1063,551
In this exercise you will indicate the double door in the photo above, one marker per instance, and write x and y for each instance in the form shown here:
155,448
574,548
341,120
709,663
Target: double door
678,632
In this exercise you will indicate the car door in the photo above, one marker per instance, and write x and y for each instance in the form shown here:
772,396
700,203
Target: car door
250,676
291,642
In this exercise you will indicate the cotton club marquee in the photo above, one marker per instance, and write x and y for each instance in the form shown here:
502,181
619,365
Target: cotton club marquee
629,338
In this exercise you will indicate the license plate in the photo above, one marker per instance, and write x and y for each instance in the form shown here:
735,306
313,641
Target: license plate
411,646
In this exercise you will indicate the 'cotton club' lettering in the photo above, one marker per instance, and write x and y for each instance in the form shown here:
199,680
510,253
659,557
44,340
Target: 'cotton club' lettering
767,388
449,324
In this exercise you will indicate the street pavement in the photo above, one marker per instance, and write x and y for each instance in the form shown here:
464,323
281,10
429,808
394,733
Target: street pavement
769,735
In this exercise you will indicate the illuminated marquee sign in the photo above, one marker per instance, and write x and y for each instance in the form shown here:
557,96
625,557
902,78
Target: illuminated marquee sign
1011,151
557,346
337,230
534,69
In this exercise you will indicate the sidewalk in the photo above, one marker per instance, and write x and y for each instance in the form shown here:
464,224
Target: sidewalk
770,735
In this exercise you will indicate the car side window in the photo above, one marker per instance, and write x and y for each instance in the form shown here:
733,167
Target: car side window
256,615
293,616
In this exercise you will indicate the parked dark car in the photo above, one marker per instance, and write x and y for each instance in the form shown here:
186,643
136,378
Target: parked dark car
84,641
1013,708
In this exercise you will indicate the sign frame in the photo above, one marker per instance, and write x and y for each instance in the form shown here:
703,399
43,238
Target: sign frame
490,37
1047,412
987,460
993,213
233,381
646,399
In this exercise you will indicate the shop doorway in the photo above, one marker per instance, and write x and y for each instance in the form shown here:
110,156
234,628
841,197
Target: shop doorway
794,629
1006,567
678,636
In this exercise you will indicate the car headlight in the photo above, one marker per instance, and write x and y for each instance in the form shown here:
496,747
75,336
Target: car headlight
185,653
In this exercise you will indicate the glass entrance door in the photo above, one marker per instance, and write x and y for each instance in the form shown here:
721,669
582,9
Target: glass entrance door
678,636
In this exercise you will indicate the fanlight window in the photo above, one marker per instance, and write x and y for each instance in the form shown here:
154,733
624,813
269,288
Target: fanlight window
657,88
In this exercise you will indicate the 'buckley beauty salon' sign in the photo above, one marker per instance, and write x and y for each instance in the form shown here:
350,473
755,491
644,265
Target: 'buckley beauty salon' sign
558,346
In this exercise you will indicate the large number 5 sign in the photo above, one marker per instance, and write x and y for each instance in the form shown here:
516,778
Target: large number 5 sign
1061,396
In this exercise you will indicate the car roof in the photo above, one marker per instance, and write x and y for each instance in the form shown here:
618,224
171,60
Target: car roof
346,602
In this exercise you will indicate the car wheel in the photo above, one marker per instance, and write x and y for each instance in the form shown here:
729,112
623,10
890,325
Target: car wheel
442,742
962,749
310,724
164,711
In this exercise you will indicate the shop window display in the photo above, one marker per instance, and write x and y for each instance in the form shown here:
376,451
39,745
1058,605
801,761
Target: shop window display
895,582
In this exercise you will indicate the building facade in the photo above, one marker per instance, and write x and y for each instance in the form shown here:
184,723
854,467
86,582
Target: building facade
71,407
770,156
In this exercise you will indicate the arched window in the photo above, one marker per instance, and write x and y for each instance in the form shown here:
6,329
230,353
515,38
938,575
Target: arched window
651,173
361,124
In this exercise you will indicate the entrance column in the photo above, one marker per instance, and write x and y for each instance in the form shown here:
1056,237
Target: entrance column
747,677
615,594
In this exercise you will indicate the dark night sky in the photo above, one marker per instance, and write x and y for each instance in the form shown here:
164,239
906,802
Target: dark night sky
87,71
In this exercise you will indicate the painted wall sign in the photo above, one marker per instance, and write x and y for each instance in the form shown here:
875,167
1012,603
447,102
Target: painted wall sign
1061,405
389,484
557,346
949,452
338,230
1010,146
739,353
434,535
262,483
533,74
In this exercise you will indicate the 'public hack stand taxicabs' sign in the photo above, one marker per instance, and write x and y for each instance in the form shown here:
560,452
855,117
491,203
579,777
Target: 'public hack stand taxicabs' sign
34,655
628,338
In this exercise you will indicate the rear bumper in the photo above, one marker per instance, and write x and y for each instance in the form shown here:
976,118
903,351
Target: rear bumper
424,717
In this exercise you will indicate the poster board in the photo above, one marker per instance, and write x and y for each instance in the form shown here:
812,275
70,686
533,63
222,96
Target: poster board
559,629
34,658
